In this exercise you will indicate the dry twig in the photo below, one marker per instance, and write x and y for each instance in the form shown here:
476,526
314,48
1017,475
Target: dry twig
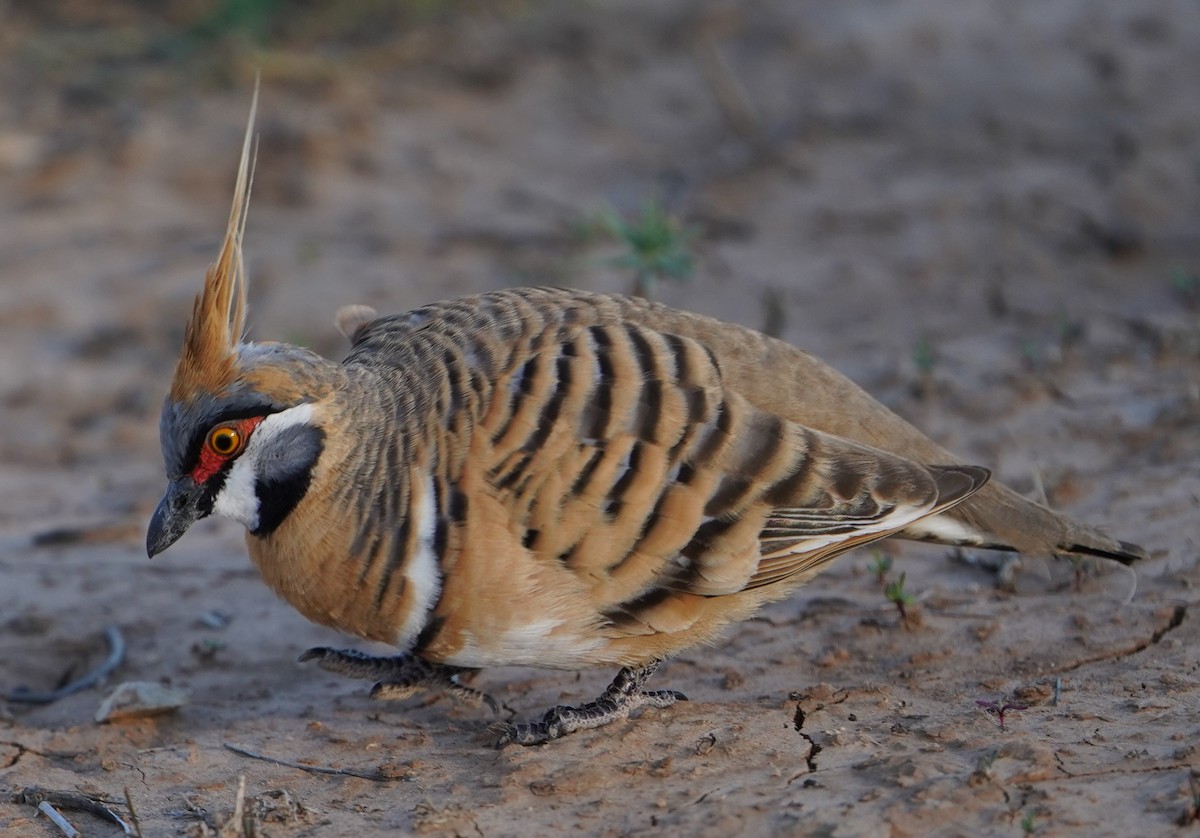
34,796
137,826
377,776
116,653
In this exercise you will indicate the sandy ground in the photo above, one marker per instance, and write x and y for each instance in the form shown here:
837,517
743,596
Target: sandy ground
986,213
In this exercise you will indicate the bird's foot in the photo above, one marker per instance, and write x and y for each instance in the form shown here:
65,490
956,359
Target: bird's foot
399,676
622,696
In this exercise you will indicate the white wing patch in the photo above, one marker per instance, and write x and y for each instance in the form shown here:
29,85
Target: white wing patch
943,528
902,517
421,571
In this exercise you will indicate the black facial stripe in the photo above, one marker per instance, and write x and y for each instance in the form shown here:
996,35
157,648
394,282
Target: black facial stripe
276,500
209,491
285,472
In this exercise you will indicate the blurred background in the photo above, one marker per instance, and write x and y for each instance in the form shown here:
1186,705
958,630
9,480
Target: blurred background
960,192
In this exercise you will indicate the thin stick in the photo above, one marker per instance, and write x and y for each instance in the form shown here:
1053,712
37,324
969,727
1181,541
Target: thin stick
1133,582
58,820
116,653
313,769
239,806
729,92
137,826
1039,488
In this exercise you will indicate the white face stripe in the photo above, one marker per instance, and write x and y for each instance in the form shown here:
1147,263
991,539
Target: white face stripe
237,499
422,571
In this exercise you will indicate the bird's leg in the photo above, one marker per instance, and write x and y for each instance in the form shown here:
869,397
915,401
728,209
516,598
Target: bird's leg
624,694
399,676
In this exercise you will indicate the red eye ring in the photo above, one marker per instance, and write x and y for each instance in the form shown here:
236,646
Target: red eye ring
222,444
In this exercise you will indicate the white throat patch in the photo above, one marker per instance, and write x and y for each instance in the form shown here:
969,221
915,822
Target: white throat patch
237,499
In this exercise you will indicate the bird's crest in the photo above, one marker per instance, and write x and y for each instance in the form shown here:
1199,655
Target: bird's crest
209,360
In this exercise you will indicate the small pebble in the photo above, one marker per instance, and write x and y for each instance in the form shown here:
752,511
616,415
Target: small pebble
215,619
138,699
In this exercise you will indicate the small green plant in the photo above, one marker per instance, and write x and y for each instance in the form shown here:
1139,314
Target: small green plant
1071,330
895,593
1186,284
881,566
279,23
924,356
1031,353
1027,825
999,708
657,246
251,19
207,649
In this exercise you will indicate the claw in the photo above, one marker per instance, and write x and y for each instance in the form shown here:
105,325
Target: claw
399,676
624,695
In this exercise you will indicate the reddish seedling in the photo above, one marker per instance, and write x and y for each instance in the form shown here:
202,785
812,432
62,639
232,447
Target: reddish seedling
998,709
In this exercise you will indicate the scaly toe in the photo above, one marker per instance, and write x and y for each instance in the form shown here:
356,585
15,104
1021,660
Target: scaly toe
355,664
393,691
662,698
471,696
534,733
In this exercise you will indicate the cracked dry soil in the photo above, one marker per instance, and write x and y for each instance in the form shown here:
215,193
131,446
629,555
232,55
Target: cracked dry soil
984,213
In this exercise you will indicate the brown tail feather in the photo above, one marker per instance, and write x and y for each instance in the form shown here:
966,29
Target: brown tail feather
1125,554
997,518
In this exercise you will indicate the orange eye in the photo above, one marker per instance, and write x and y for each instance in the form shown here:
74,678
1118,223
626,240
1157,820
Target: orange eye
224,440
